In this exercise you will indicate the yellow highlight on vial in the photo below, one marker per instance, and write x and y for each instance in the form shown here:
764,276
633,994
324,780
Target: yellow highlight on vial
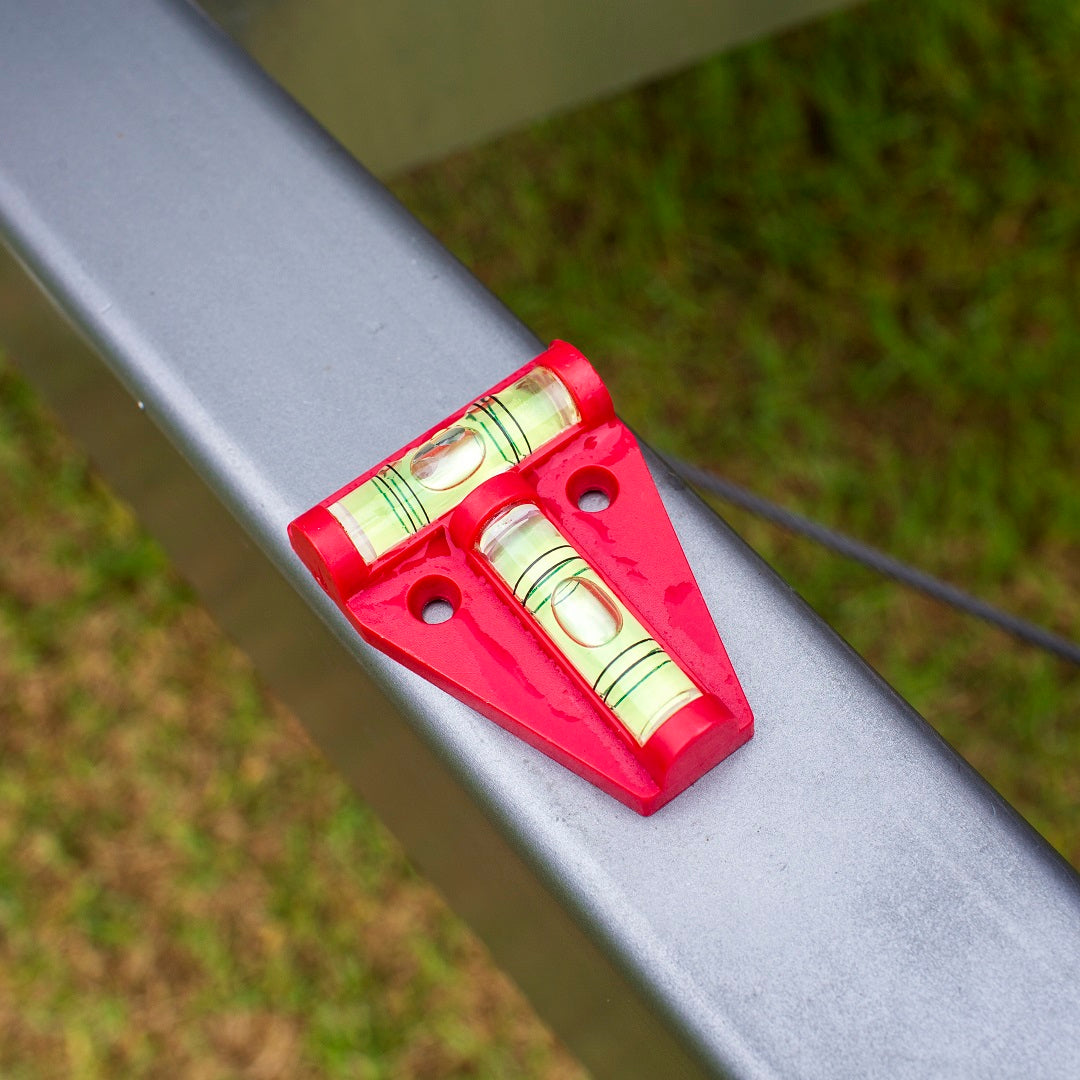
633,675
493,434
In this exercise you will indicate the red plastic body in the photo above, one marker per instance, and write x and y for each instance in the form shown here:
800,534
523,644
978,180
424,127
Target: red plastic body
492,656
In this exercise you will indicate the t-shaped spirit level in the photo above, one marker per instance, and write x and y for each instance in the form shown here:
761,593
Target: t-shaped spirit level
580,630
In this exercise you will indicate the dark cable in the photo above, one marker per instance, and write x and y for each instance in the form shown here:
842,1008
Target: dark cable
877,560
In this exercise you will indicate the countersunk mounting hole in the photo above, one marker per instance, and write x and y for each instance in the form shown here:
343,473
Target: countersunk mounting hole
434,599
437,611
592,489
593,501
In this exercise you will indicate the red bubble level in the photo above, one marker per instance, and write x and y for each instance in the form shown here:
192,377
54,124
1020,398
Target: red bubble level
518,556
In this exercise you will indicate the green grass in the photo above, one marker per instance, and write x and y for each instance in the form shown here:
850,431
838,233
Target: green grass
839,267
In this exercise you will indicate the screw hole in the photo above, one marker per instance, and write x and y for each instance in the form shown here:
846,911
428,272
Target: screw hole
593,501
437,611
434,599
592,489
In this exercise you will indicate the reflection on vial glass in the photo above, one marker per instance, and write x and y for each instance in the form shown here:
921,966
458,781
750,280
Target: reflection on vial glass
449,459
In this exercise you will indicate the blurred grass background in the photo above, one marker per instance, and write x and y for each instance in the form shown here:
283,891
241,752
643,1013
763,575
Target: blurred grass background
841,267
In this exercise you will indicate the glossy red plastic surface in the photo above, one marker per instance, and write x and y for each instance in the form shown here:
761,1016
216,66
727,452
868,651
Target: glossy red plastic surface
491,654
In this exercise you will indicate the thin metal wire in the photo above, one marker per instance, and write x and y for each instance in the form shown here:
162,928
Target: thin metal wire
877,560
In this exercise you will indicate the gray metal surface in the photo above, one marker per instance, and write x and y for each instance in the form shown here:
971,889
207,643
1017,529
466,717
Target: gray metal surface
843,897
408,81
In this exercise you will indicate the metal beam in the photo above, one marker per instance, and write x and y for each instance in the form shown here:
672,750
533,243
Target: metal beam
841,897
449,75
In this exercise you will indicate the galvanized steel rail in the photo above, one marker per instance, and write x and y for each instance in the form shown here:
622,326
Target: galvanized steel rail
844,897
